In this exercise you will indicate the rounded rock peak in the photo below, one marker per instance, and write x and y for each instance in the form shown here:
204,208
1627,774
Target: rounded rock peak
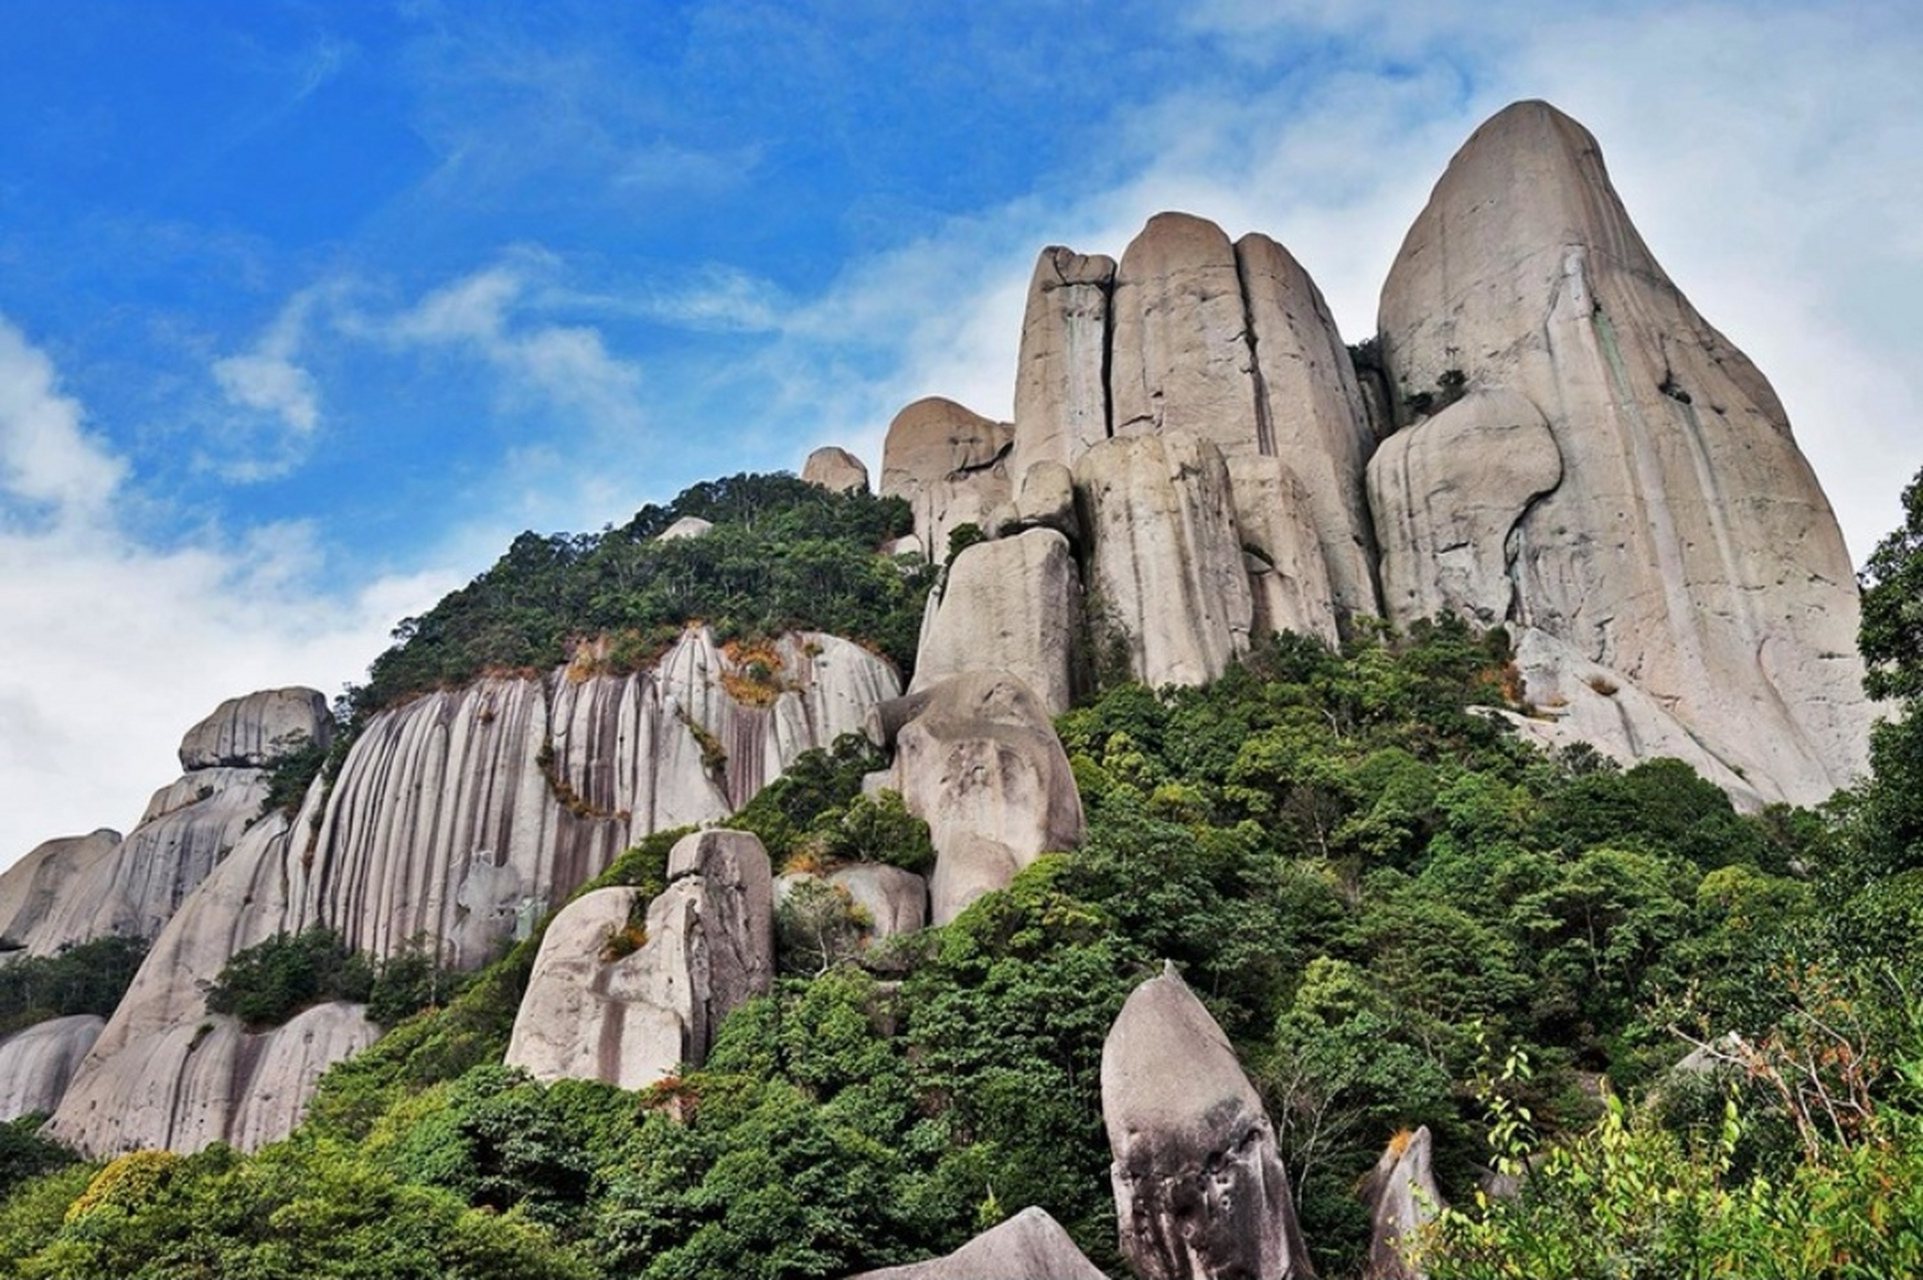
1172,238
1058,267
935,435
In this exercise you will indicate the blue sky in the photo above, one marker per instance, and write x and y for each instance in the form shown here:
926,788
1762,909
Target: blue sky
307,308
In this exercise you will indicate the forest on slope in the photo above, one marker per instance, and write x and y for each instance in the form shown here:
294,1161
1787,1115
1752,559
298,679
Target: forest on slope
1399,912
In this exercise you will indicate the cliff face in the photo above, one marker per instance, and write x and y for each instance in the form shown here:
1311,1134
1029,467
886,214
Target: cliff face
1618,477
459,817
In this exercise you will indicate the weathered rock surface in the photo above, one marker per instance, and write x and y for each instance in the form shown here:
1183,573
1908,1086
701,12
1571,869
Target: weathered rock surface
210,1081
1402,1198
1010,605
258,730
32,888
1199,1188
1029,1246
1310,413
37,1063
460,816
1046,500
895,900
977,759
1686,544
1181,359
593,1013
835,468
1288,573
1167,564
1061,388
1452,492
949,464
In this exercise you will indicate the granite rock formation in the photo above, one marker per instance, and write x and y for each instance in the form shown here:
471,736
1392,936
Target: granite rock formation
951,466
1199,1189
1029,1246
601,1005
1010,605
1061,381
255,731
1402,1198
977,759
37,1063
837,469
1676,536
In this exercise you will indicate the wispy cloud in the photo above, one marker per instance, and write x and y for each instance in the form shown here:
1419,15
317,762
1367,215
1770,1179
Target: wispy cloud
275,399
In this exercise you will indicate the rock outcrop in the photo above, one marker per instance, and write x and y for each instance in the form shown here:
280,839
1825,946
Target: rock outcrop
1402,1199
890,900
37,1063
1677,536
1010,605
1166,570
1199,1189
68,893
604,1005
949,464
256,731
1029,1246
977,759
1061,380
837,469
459,817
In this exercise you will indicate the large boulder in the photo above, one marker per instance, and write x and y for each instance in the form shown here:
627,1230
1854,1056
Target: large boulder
1402,1198
605,1004
1010,605
1061,389
1685,544
1029,1246
949,464
1199,1189
1166,568
977,759
33,888
837,469
1288,571
258,730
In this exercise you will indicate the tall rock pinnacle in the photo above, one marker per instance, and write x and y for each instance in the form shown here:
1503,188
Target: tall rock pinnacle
1592,462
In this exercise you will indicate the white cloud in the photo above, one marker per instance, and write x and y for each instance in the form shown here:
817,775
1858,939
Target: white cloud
276,400
114,648
48,461
484,314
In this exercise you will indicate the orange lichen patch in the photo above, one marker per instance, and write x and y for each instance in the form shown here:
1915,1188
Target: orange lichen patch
1507,679
752,672
1399,1141
589,657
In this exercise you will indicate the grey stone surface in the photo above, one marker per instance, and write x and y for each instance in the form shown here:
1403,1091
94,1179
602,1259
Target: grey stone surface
1011,605
977,759
1029,1246
255,731
1402,1198
1686,544
1061,392
1199,1189
949,464
36,1063
835,468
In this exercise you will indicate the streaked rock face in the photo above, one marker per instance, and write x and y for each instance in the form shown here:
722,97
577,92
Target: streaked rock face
459,817
631,1019
1061,378
1199,1189
1167,566
1677,537
37,1063
1029,1246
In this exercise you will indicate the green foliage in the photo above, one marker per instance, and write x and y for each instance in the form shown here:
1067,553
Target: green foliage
24,1154
1891,635
783,554
266,984
875,828
785,813
83,977
293,773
